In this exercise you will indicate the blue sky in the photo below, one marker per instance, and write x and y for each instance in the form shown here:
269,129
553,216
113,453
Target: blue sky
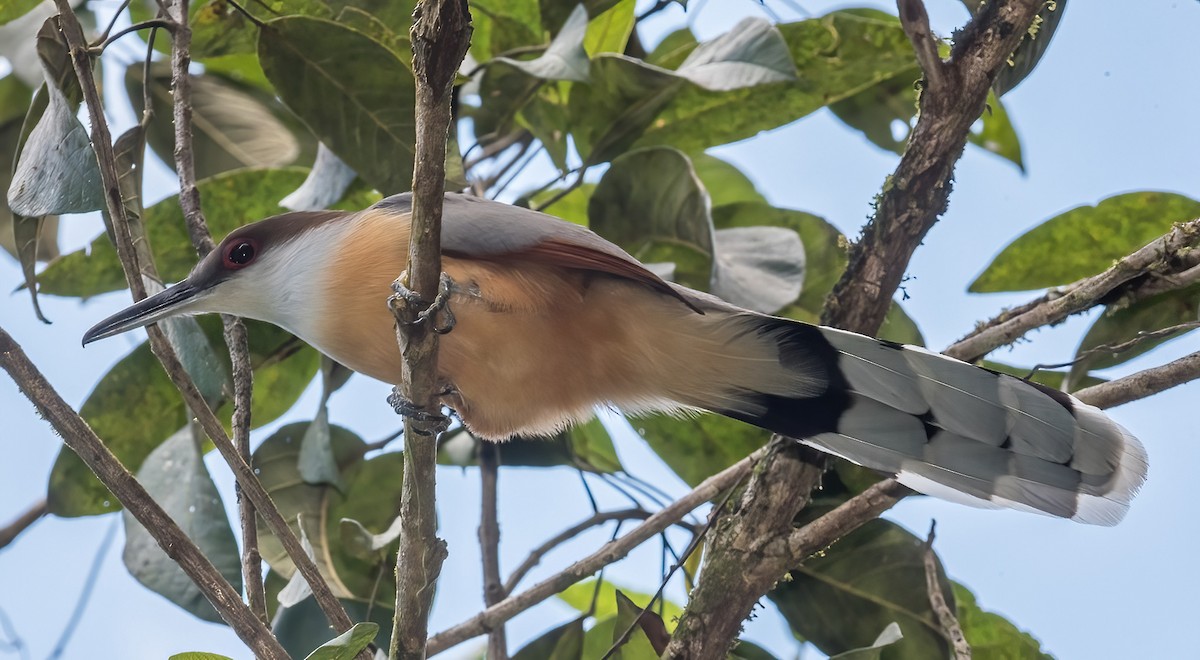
1110,109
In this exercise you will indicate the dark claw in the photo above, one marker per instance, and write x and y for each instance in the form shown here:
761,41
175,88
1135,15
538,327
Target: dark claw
437,313
407,408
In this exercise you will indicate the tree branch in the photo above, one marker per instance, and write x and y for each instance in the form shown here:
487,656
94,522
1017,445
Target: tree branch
489,543
1080,296
609,553
83,441
440,34
234,329
1143,383
597,519
22,522
739,565
161,347
915,21
945,615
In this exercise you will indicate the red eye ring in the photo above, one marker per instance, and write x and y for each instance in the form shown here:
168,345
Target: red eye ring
240,253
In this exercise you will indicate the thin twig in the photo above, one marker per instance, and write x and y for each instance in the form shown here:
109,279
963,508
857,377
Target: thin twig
113,21
489,543
161,347
1082,295
916,25
609,553
946,618
96,455
151,24
12,640
535,556
22,522
1119,347
440,34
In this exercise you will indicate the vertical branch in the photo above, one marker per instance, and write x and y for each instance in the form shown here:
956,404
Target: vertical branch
489,544
440,35
234,328
161,347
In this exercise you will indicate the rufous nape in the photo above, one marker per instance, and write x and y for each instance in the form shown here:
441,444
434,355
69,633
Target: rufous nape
552,320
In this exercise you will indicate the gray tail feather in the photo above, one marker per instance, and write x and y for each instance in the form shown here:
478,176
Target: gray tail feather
947,428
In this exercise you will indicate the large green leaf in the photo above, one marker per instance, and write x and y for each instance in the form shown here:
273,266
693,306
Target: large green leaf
564,58
234,126
363,113
651,203
371,498
1022,62
1084,241
562,643
698,447
890,635
347,645
726,184
752,53
836,57
609,31
840,599
1126,323
231,200
991,636
135,407
175,476
303,627
14,9
624,96
503,25
580,595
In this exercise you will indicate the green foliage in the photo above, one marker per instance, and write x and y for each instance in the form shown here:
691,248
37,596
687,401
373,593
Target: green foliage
991,636
346,645
13,9
1084,241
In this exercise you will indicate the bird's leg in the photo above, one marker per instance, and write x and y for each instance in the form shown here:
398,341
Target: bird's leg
437,313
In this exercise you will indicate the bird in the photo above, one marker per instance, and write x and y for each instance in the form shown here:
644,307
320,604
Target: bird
552,320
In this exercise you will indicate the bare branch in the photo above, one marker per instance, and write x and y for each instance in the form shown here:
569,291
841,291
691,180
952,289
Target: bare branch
1143,383
161,347
916,25
609,553
1077,297
440,34
83,441
489,543
22,522
946,619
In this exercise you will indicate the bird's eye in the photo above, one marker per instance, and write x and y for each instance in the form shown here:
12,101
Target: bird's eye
240,253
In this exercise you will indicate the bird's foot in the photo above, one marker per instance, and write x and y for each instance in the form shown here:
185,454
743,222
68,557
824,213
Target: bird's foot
437,313
407,408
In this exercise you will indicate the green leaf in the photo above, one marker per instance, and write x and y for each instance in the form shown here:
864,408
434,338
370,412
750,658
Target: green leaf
303,627
648,638
572,207
890,635
840,599
825,254
562,643
997,134
235,126
651,203
579,596
231,200
1122,324
138,383
609,31
726,184
991,636
57,171
346,645
564,58
1084,241
504,25
759,268
363,113
752,53
836,57
317,464
175,476
673,49
199,655
371,497
619,103
1031,49
745,650
584,446
14,9
696,448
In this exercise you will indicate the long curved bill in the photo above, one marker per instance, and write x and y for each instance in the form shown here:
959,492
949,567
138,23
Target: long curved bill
168,302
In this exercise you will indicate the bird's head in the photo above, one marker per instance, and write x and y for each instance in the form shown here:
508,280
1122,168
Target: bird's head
261,271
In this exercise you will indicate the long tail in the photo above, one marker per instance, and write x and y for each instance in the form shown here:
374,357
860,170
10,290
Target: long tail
943,427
